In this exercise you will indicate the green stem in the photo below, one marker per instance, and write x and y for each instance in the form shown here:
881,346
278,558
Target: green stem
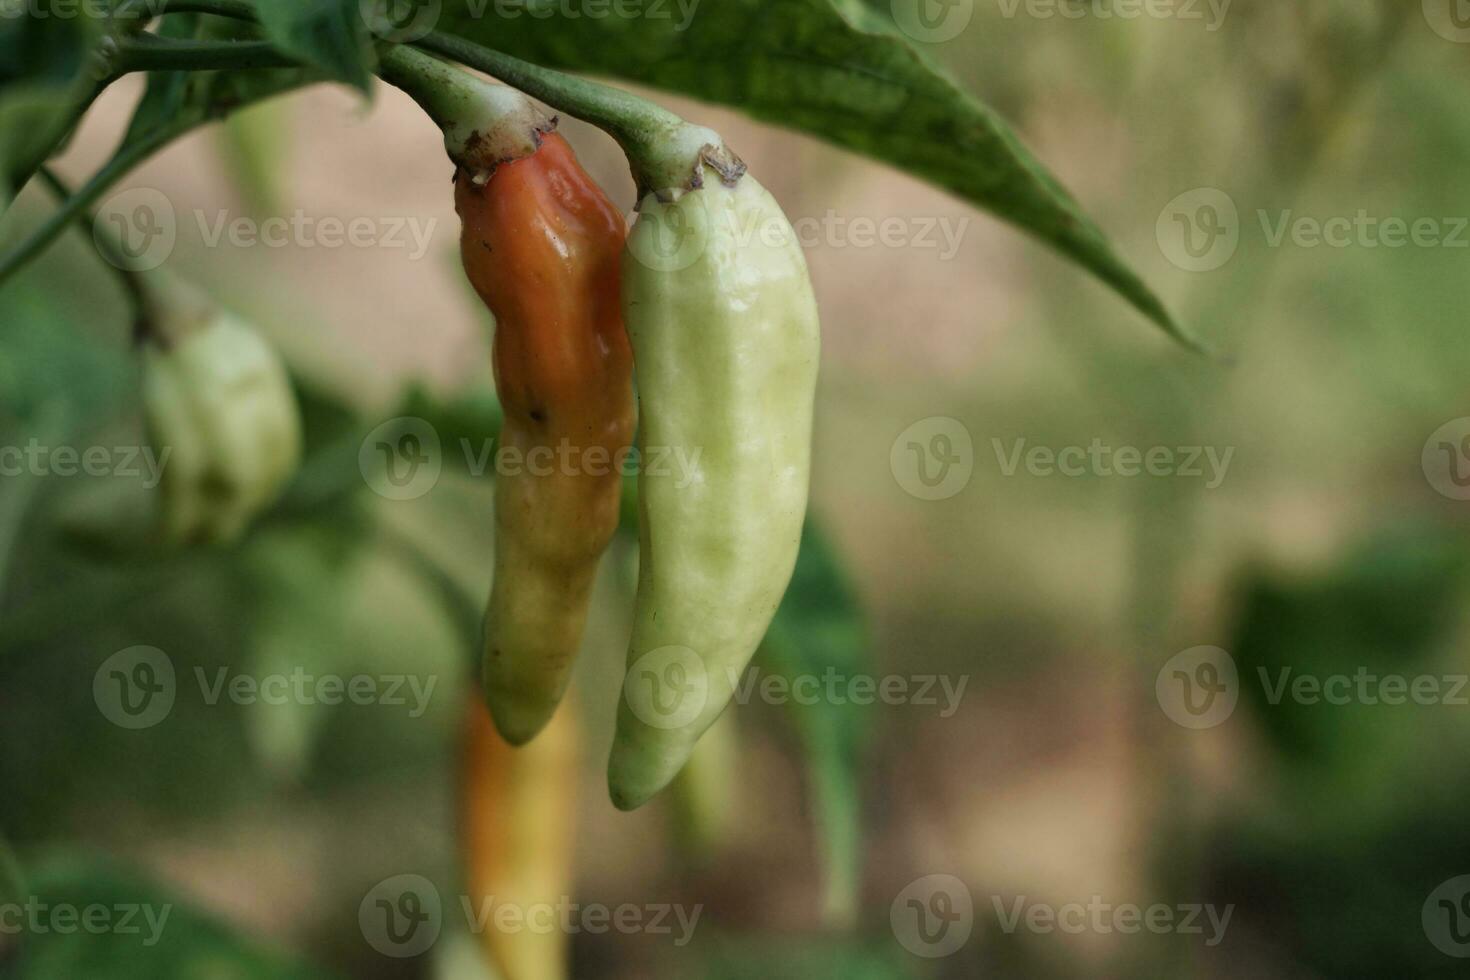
662,148
155,54
484,124
628,118
111,250
123,161
237,9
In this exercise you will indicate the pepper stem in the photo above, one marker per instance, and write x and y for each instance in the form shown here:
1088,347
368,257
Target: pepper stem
484,124
667,154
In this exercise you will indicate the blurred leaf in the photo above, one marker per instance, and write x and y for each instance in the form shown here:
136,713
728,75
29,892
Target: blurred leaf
302,623
44,357
13,891
838,70
466,423
1382,610
1338,896
820,629
12,881
44,84
169,93
171,941
330,34
253,143
328,486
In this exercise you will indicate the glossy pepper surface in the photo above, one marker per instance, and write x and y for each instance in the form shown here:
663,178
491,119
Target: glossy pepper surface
542,246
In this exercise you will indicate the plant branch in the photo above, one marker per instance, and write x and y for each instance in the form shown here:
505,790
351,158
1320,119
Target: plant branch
131,9
124,160
109,248
146,53
662,148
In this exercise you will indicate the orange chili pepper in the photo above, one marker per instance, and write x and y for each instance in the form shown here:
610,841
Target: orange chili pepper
542,245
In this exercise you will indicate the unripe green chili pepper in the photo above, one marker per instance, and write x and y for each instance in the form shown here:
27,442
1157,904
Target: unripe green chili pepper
221,408
725,336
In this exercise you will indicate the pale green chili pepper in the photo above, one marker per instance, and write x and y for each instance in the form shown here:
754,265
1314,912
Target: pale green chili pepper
719,307
222,413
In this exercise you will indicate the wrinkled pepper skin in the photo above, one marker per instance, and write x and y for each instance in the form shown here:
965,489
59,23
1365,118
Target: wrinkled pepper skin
219,402
725,341
542,246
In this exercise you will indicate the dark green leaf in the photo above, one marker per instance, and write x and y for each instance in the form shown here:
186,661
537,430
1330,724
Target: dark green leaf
44,85
833,68
330,34
1381,610
471,418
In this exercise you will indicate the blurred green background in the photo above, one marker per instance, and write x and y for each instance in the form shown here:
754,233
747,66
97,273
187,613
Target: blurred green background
1328,547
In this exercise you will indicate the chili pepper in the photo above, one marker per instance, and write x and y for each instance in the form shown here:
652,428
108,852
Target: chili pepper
219,404
519,815
542,245
723,322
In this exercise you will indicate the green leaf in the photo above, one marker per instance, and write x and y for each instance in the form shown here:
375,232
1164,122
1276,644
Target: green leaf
836,69
44,86
161,939
1387,609
204,95
820,628
471,417
12,881
13,890
330,34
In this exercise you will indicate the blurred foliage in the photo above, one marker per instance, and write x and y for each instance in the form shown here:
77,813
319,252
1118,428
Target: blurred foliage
818,630
44,84
1361,819
1386,610
1334,821
155,936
